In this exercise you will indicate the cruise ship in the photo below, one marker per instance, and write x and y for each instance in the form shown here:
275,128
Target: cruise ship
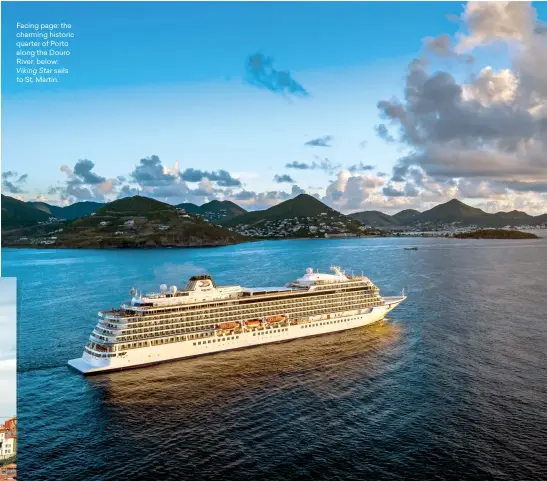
203,318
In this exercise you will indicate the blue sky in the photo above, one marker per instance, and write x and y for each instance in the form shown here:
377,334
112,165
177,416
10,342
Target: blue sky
168,79
8,319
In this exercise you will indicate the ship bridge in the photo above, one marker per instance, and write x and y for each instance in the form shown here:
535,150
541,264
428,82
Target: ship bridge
197,289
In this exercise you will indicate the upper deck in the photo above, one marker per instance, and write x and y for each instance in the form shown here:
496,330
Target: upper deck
203,290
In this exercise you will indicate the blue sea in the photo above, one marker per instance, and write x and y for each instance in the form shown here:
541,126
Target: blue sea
452,387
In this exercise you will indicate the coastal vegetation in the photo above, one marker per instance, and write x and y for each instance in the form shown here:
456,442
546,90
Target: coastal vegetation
496,234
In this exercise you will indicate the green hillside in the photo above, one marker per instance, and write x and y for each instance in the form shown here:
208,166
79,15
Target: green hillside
374,218
303,205
69,212
302,216
16,214
130,222
406,216
217,210
452,211
189,207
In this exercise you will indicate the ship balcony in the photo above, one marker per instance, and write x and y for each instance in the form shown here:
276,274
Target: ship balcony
117,315
95,336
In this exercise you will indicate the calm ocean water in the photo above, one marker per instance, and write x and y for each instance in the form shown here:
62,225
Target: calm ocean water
454,386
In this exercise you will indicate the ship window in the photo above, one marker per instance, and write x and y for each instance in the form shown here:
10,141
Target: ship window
194,343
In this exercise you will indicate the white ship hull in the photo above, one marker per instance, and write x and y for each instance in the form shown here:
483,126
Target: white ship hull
169,352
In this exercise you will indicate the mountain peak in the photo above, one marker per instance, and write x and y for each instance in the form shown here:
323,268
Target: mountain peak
303,205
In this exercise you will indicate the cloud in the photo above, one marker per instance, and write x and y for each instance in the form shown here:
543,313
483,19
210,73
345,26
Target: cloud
360,167
12,182
320,142
151,178
296,190
319,164
442,46
492,22
151,172
298,165
83,170
82,184
383,133
488,130
221,177
264,200
349,192
283,178
128,191
409,190
261,73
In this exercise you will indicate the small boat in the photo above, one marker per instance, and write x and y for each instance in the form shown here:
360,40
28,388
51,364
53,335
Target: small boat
274,319
411,248
253,323
228,325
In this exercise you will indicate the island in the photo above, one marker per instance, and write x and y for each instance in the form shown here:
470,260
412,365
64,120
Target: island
125,223
496,234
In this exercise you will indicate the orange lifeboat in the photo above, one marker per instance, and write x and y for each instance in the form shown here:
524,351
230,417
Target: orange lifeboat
228,325
253,323
273,319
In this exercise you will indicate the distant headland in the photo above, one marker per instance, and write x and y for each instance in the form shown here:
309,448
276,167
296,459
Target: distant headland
496,234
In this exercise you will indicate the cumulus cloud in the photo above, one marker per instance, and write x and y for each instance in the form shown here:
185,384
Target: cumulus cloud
12,182
261,73
350,192
492,22
483,136
83,170
152,178
320,141
409,190
151,172
82,184
283,178
221,177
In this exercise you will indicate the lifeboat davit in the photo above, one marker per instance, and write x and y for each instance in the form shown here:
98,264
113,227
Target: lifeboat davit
253,323
273,319
228,325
